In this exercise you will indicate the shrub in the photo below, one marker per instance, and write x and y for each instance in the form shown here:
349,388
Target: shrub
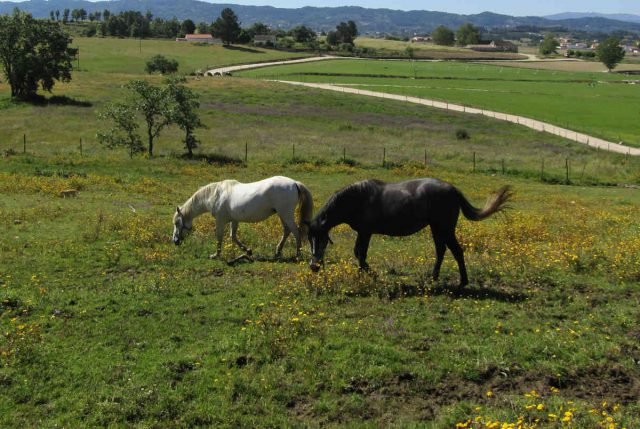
159,63
462,134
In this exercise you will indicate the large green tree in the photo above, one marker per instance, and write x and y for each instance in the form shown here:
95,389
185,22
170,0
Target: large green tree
226,27
443,36
610,53
345,32
467,34
184,111
549,45
34,54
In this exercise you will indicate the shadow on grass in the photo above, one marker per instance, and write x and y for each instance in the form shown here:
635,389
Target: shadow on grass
477,293
56,100
243,49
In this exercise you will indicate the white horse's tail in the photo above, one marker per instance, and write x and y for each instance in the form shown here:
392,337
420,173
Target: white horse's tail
306,210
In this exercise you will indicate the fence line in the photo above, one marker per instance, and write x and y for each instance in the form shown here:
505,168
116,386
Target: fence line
550,169
520,120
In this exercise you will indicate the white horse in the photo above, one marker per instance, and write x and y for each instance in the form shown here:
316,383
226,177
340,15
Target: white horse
232,201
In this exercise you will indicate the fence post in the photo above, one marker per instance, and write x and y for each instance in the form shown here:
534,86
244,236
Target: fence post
80,146
384,156
566,166
246,151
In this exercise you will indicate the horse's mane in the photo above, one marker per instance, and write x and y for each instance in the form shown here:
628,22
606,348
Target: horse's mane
353,191
204,195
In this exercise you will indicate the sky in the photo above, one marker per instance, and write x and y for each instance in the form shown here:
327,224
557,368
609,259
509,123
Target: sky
467,7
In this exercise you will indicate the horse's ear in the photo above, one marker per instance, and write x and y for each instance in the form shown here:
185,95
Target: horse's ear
178,210
330,240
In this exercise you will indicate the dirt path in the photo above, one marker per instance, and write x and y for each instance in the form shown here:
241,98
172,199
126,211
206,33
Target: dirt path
223,70
520,120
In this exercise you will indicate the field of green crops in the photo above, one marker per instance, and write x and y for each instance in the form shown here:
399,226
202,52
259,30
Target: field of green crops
104,322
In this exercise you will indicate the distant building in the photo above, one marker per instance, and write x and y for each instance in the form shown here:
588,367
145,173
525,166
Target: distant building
420,39
494,46
201,38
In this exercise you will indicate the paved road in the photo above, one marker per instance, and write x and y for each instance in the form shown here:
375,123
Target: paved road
520,120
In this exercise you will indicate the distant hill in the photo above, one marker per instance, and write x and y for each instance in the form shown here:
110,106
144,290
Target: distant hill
578,15
322,18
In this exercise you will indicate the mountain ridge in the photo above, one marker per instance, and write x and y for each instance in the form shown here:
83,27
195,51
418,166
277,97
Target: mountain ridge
322,18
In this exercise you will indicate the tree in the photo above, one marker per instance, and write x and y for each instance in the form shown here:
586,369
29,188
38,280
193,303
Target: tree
226,27
162,65
158,106
303,34
65,16
124,131
34,53
345,32
443,36
184,111
467,34
152,103
610,53
187,27
549,45
203,28
258,28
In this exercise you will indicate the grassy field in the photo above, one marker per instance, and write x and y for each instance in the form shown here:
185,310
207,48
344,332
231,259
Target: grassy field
104,322
598,104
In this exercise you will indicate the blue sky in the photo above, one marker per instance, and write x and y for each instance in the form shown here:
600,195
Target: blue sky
507,7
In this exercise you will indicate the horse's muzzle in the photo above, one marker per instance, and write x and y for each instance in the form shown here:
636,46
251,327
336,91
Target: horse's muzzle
177,241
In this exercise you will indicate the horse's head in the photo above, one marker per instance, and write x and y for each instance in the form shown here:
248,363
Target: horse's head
318,239
181,226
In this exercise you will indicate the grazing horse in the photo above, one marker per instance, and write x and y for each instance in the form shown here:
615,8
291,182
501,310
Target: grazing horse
399,209
232,201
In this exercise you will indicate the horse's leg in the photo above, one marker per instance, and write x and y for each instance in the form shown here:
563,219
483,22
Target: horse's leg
288,226
361,248
441,247
219,236
234,237
454,246
283,239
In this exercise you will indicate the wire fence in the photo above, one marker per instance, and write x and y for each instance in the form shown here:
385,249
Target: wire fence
551,169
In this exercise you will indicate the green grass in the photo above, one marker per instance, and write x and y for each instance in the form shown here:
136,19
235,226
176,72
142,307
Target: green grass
104,322
593,103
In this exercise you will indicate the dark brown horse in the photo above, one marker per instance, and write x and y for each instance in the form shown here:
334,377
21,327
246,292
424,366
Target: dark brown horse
399,209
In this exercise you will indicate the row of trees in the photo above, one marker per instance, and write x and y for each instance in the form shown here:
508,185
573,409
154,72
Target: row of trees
467,34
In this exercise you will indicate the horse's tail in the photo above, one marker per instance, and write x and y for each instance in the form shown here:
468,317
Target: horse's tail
494,204
306,210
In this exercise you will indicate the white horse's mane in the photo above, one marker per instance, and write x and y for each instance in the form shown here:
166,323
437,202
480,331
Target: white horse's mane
204,198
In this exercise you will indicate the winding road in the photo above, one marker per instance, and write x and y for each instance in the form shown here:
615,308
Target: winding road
591,141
